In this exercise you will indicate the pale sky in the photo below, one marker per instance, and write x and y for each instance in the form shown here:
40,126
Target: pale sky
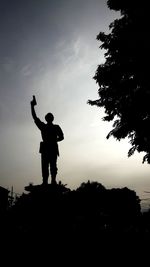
49,49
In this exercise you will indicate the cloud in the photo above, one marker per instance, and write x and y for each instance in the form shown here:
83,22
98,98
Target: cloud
26,70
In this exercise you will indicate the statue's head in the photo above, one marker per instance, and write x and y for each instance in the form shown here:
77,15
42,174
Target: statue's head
49,117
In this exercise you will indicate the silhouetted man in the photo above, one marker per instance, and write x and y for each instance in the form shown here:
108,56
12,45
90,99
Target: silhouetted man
51,134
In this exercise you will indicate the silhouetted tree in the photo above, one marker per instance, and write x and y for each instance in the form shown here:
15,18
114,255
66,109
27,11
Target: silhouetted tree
53,218
3,199
122,206
90,198
124,84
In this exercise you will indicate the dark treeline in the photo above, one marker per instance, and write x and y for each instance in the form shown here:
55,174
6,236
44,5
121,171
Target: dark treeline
55,218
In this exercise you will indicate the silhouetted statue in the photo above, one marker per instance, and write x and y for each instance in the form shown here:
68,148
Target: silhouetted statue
51,134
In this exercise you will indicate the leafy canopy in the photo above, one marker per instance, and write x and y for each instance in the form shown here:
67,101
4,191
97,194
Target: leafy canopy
124,79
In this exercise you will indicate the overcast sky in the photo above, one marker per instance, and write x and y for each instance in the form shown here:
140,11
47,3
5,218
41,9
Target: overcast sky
49,49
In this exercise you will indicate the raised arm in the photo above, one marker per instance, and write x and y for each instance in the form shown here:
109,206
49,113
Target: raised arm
33,104
37,121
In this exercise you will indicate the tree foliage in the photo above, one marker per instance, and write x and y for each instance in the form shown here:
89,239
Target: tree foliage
123,80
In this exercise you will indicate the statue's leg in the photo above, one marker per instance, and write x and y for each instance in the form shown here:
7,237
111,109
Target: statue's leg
53,168
45,168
